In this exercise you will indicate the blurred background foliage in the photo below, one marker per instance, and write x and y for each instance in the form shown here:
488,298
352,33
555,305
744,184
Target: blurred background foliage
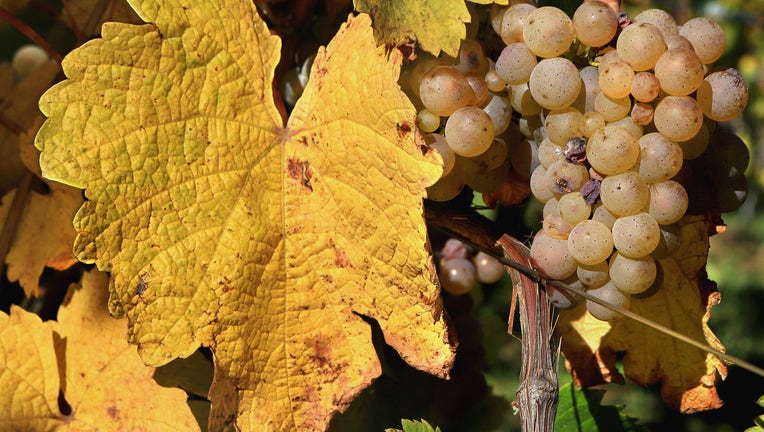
485,375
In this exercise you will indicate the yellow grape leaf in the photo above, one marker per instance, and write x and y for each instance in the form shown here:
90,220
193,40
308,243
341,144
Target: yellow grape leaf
681,301
29,373
19,108
437,25
44,235
84,358
226,229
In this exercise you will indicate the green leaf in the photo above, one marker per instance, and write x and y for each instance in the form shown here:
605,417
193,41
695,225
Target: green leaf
579,410
414,426
759,421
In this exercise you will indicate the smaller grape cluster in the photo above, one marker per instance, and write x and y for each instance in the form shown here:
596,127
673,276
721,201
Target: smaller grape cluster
460,270
466,116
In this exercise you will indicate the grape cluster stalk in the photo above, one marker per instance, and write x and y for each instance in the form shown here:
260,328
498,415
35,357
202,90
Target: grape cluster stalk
614,122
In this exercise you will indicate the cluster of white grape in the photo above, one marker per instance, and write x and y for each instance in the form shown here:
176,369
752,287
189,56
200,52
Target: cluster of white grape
611,110
466,115
460,271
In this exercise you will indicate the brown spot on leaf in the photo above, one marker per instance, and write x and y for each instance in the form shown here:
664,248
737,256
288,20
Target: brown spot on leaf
300,171
112,412
320,351
340,257
403,129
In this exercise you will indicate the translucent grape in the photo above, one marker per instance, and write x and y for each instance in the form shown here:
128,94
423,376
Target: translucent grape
515,63
636,235
496,15
513,21
645,87
551,258
561,125
427,121
523,102
671,238
452,249
668,202
539,183
676,41
678,118
551,207
438,142
609,293
549,153
630,126
556,227
26,59
723,95
659,158
624,194
494,82
555,83
469,131
679,71
564,176
616,78
573,207
594,275
447,188
479,89
612,109
594,23
660,19
590,77
642,113
696,145
590,122
562,299
590,242
443,90
548,32
632,275
500,110
612,150
602,214
457,276
707,38
640,45
489,269
472,59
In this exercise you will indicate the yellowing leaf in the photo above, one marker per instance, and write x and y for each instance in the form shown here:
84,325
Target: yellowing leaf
682,302
19,107
438,25
44,235
28,373
223,228
84,357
